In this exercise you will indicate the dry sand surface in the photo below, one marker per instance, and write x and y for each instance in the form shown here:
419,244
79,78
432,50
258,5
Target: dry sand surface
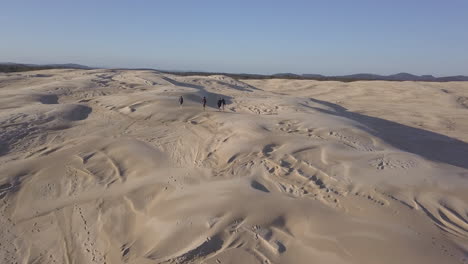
103,166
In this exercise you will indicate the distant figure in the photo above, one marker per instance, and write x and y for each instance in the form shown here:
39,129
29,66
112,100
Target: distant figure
223,103
204,102
219,104
181,101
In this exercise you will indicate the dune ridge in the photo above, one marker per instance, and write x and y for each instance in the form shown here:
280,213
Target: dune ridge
103,166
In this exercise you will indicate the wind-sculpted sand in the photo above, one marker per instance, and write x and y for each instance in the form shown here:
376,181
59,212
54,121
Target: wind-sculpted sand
103,166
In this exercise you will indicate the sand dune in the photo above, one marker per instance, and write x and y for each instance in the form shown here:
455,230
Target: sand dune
103,166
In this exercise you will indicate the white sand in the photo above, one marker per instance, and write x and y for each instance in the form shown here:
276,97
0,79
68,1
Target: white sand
103,166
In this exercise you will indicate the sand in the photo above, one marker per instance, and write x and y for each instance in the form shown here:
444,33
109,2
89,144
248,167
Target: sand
104,166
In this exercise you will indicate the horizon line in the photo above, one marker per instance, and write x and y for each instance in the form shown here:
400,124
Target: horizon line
225,72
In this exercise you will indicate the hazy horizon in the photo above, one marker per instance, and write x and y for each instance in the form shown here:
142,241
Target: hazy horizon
227,72
265,37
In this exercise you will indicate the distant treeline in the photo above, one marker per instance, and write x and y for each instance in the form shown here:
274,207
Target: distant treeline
17,67
21,68
345,78
14,67
248,76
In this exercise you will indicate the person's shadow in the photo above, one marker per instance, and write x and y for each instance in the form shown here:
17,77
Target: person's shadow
427,144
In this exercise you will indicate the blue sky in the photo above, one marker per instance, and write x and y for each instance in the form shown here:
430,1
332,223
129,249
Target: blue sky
327,37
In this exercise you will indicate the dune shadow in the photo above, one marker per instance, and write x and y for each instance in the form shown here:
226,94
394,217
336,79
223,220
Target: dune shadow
42,75
79,112
49,99
246,88
427,144
4,148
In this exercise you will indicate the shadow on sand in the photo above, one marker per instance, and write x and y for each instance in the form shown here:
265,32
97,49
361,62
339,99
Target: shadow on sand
3,148
427,144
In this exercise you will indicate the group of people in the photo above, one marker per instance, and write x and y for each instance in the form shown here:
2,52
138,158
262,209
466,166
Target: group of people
221,103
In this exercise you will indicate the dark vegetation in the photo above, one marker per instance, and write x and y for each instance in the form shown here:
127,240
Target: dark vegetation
14,67
318,77
21,68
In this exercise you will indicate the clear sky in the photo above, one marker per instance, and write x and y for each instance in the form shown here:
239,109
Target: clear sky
328,37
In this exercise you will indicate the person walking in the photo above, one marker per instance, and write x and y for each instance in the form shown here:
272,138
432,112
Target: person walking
181,101
219,104
204,102
223,103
